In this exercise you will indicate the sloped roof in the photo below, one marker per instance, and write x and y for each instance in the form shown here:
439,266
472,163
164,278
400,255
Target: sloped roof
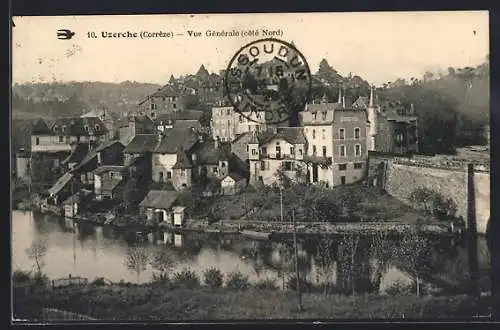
174,138
207,154
109,168
322,107
92,155
361,103
78,126
292,135
160,199
81,150
183,160
60,183
111,184
72,199
166,91
108,144
236,176
141,119
142,143
40,126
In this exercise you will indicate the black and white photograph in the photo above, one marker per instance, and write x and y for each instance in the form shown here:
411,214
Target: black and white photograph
251,167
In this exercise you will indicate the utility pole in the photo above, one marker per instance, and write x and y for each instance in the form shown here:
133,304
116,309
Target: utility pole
299,295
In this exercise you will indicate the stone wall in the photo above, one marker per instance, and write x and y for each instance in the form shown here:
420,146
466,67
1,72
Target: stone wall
402,178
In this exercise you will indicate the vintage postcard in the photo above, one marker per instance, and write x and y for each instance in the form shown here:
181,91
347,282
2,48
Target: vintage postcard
313,166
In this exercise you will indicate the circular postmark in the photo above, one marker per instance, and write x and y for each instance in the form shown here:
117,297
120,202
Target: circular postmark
268,81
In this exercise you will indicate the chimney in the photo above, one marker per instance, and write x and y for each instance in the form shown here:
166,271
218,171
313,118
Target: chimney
343,101
371,97
340,95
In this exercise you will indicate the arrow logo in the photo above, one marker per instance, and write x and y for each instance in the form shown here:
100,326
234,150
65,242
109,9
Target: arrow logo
65,34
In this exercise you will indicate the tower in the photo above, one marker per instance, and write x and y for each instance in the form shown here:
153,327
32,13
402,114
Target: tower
372,118
253,157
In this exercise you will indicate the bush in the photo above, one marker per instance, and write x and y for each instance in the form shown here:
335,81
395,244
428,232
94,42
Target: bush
237,281
267,284
399,288
304,285
20,276
186,277
213,277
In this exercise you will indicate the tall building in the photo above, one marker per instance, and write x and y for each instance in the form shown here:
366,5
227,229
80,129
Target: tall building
393,125
337,146
227,124
165,100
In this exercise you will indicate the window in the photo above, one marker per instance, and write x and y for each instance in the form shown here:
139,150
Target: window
163,98
357,132
323,135
97,127
357,149
241,118
86,128
314,150
248,148
174,105
262,165
37,141
300,152
314,133
227,112
324,115
160,177
324,151
215,169
292,150
153,114
55,128
278,152
341,133
61,138
254,152
314,116
342,151
173,98
223,165
264,150
111,174
342,167
358,165
169,175
153,106
342,180
64,129
288,166
182,173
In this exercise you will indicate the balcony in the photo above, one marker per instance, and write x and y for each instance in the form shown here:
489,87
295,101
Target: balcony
278,156
324,162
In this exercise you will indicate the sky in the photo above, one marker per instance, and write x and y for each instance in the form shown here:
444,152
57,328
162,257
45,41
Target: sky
380,47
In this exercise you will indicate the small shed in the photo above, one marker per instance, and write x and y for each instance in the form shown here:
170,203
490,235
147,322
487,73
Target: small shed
233,183
178,215
73,204
157,205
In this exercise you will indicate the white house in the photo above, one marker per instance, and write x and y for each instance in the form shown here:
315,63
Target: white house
157,205
233,183
270,152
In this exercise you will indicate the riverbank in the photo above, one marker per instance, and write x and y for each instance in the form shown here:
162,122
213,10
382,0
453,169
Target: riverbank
160,301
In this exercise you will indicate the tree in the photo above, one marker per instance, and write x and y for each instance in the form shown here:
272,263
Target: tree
162,261
324,258
381,253
433,203
415,256
137,259
36,252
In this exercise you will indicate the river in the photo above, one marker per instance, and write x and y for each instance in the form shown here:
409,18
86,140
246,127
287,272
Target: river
99,251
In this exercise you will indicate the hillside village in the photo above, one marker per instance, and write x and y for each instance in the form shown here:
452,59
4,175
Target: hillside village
147,159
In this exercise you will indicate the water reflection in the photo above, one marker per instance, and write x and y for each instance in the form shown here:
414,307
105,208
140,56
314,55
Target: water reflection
350,264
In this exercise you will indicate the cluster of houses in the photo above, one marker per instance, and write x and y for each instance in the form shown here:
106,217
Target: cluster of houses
164,149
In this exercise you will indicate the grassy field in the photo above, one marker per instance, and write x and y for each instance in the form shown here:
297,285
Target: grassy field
162,302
